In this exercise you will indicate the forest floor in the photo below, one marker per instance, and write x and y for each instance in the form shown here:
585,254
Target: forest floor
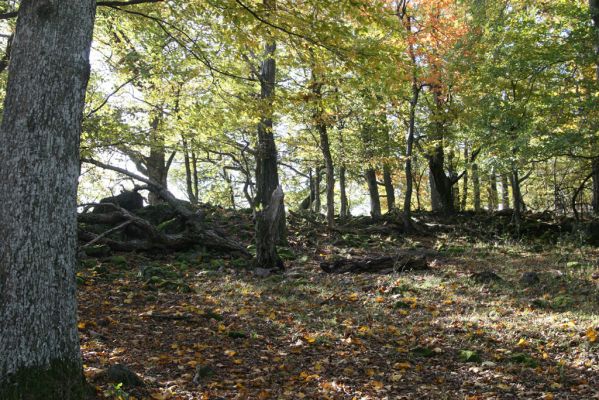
202,326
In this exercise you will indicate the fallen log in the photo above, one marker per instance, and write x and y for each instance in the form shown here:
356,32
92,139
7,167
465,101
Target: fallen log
381,265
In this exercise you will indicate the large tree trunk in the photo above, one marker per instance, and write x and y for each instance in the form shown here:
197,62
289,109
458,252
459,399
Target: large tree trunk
267,176
442,184
39,168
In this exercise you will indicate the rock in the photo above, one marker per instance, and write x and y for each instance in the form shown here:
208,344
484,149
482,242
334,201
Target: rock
129,200
119,373
262,272
97,251
486,277
530,279
202,371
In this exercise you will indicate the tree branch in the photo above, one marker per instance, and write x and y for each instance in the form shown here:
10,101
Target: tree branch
15,14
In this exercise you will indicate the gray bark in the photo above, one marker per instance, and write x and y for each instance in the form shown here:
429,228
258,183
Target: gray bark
373,191
344,211
476,187
39,169
267,175
493,195
594,8
505,192
321,127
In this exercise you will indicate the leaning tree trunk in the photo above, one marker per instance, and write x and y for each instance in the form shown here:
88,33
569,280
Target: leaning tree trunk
39,168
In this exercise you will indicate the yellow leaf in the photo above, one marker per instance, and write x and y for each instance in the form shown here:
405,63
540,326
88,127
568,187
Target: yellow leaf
522,343
237,361
370,372
230,353
353,297
379,299
591,335
81,325
402,365
378,385
396,377
309,338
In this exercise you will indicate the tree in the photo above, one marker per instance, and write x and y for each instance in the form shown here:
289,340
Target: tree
39,168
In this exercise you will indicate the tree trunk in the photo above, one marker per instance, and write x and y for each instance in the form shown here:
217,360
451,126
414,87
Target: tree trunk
465,182
321,127
442,184
493,195
191,195
406,21
594,7
476,187
516,196
595,172
317,180
373,191
267,176
505,192
389,189
344,212
156,161
39,169
387,171
407,206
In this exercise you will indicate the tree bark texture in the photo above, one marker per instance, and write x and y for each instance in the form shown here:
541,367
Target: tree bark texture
595,173
493,195
321,127
267,175
476,187
505,192
344,211
594,7
373,191
39,169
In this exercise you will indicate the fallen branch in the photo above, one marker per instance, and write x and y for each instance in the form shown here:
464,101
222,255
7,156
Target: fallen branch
383,265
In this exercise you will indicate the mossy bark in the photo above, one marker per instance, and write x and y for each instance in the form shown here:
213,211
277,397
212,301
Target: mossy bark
61,380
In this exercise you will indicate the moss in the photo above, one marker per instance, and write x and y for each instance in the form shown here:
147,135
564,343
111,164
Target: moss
62,380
